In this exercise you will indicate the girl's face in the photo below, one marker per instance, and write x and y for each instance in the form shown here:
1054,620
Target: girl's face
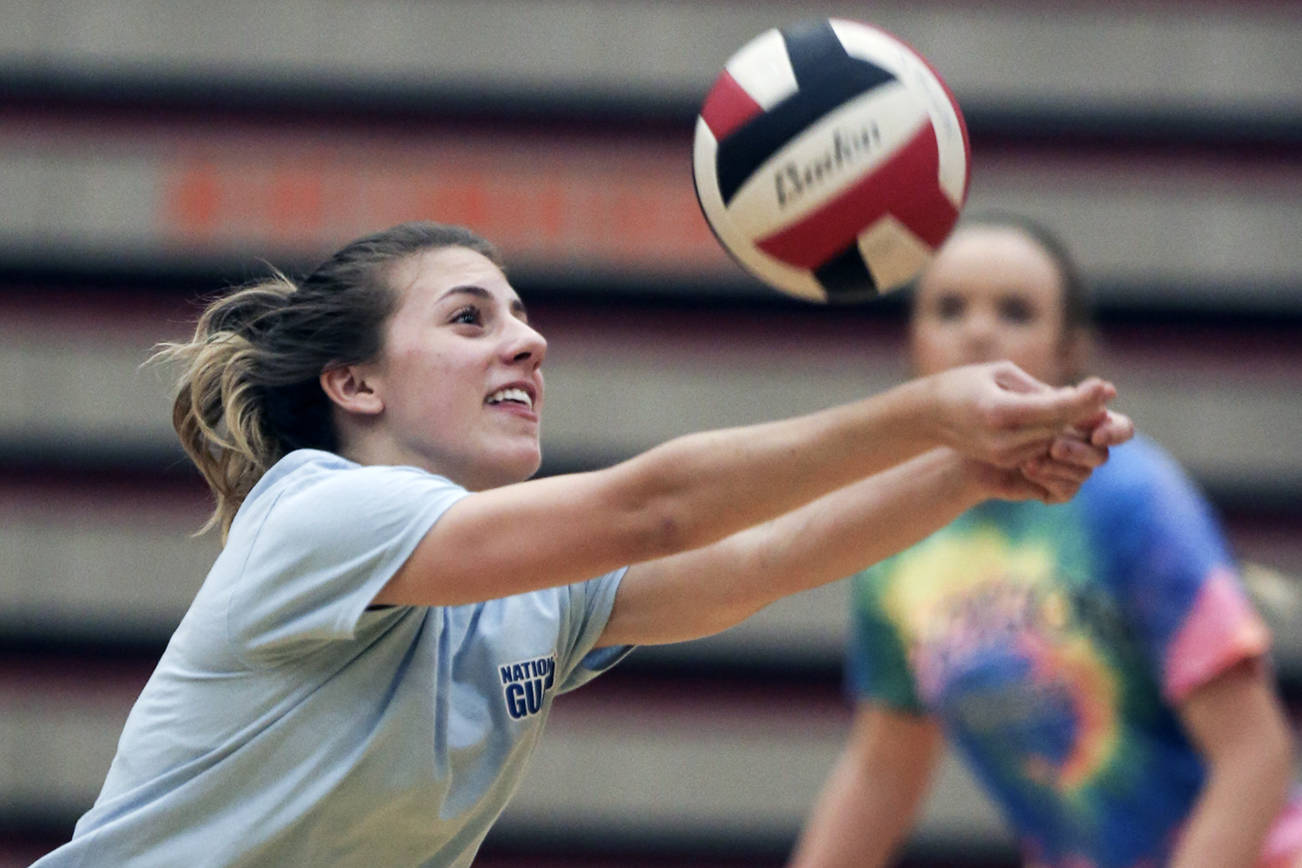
992,293
460,373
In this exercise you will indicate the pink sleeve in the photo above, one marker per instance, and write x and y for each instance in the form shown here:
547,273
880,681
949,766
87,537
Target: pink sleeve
1222,629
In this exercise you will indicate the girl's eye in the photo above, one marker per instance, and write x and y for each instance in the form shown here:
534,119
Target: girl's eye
1016,310
949,307
468,315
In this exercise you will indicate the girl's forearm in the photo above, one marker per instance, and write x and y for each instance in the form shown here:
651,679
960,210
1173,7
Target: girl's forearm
752,474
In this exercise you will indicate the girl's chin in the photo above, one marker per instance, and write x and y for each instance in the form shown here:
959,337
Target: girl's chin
515,468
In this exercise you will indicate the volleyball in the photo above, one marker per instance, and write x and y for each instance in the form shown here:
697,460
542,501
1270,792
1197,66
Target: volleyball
830,160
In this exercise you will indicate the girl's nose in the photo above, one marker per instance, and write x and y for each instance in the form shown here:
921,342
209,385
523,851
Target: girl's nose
979,325
526,343
979,335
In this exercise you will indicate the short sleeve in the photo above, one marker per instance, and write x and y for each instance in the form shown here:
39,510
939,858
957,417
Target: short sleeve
324,548
591,602
1175,577
876,665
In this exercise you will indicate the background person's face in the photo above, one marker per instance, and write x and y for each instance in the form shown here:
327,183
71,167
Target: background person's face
990,293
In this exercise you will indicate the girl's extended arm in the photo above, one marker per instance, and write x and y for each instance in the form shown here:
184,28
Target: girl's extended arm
700,488
707,589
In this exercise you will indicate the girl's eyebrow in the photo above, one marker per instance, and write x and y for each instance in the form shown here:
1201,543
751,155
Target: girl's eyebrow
517,306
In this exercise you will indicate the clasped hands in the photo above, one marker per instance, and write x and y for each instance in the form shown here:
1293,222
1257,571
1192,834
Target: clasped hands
1025,439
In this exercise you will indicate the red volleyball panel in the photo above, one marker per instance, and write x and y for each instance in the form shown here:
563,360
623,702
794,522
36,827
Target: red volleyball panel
906,186
727,106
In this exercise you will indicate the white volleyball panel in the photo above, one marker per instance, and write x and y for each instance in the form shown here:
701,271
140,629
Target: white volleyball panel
763,69
893,253
791,280
705,150
875,46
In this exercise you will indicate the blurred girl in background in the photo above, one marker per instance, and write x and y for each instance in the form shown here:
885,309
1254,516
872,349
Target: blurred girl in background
1096,664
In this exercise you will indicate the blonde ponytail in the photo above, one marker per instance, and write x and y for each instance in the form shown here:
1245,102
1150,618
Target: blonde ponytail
217,410
248,389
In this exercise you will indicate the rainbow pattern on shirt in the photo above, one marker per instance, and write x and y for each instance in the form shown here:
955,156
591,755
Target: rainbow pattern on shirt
1052,642
989,633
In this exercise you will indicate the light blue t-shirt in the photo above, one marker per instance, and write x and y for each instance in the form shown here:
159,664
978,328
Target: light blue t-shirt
288,724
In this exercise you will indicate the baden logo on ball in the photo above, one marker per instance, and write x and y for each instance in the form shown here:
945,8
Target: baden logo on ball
830,160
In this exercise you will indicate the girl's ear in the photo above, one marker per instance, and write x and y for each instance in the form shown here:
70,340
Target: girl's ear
348,387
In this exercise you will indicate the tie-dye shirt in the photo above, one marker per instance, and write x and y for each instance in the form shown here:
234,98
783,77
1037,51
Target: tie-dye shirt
1052,643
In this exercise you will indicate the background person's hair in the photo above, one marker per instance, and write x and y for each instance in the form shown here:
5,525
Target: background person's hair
249,386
